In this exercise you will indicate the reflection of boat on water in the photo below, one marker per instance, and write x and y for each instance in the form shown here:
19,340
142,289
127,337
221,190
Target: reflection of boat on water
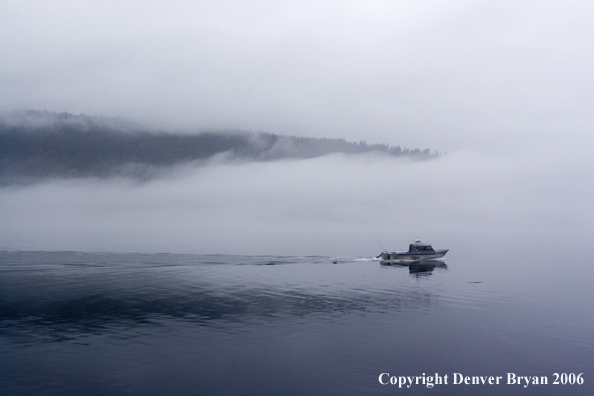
417,252
417,268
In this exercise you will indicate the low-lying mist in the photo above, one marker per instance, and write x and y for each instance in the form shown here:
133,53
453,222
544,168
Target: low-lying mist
337,205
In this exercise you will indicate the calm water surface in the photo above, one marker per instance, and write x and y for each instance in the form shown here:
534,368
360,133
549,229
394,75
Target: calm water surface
163,324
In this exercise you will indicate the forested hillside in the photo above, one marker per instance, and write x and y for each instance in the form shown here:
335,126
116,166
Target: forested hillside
35,145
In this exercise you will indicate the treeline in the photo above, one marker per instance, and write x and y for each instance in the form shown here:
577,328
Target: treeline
36,145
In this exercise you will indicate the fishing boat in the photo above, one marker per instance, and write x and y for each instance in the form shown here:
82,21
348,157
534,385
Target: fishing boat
417,251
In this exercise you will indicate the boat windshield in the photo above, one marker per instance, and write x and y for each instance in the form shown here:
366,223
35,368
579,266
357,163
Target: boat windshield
420,248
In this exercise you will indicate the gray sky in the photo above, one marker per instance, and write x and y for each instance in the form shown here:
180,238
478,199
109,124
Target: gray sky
440,74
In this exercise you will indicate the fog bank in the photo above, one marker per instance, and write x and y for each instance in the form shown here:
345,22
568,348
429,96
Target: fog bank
337,205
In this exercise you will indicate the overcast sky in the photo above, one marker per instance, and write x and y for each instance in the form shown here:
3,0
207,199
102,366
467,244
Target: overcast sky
505,87
447,75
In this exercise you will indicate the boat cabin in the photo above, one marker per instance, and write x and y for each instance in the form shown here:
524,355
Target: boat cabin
418,247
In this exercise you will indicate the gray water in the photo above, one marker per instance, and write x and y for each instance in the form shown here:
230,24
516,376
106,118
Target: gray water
166,324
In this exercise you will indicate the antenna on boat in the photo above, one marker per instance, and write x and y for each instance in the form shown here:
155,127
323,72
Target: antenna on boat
380,245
